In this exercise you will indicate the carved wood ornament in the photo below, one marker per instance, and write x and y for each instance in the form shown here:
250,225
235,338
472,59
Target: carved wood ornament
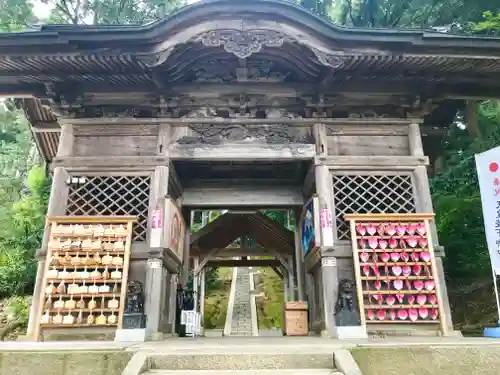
242,44
220,133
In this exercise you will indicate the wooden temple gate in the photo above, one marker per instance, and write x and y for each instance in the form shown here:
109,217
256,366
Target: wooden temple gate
244,105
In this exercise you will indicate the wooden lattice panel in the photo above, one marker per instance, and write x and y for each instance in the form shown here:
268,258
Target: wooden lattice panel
388,193
112,196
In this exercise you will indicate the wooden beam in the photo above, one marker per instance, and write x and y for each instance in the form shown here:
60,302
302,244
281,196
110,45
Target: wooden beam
243,263
129,163
242,153
278,272
238,121
373,162
223,196
45,127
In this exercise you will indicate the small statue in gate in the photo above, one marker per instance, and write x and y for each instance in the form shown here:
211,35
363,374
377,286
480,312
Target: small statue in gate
135,298
346,313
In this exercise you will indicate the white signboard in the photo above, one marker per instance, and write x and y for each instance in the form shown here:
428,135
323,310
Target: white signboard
326,227
156,228
488,172
329,262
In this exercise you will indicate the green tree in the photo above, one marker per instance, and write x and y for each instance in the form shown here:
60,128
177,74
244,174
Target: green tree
15,15
110,11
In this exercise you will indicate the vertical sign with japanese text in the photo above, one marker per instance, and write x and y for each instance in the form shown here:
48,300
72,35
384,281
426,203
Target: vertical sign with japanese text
488,173
156,228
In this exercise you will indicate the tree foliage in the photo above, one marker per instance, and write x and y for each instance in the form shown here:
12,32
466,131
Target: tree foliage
110,12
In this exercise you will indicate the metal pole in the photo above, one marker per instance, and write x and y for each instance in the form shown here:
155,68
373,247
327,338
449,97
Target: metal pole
495,286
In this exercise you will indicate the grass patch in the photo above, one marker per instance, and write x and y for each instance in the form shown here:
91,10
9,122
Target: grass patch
270,305
217,298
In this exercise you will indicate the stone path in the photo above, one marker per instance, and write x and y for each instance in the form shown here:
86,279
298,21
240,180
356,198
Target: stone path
242,318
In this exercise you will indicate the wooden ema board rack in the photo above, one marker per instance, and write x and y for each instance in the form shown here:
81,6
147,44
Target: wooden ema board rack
86,272
395,269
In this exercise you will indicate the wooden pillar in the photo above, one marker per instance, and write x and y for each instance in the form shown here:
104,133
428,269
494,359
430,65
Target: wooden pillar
286,282
154,290
311,300
196,279
57,206
203,277
299,267
66,140
155,280
424,204
329,273
291,279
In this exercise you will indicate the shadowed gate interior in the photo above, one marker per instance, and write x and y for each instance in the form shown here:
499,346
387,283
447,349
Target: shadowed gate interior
244,236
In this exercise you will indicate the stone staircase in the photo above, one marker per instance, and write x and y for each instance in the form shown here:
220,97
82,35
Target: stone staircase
241,364
241,319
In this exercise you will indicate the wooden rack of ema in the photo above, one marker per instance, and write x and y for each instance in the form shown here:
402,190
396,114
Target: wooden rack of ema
395,268
86,272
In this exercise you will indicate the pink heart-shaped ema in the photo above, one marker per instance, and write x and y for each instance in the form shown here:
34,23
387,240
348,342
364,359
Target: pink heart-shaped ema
406,270
417,269
422,242
434,314
366,271
377,284
394,257
429,285
390,230
382,244
370,314
361,229
418,285
385,257
381,229
402,314
400,230
421,229
432,299
411,241
364,256
411,299
404,257
393,243
421,299
411,229
397,271
398,285
362,244
413,314
390,300
376,271
373,243
425,256
392,315
371,229
400,297
414,256
381,315
423,312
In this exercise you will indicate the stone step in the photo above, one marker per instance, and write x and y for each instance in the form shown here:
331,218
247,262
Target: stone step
246,372
242,361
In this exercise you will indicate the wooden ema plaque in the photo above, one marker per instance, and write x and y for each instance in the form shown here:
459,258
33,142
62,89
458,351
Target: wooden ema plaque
86,271
395,269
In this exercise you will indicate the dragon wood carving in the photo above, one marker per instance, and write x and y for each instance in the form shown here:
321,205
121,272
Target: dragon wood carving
215,134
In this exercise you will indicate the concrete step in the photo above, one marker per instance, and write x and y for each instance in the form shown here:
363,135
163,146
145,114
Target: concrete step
242,361
246,372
